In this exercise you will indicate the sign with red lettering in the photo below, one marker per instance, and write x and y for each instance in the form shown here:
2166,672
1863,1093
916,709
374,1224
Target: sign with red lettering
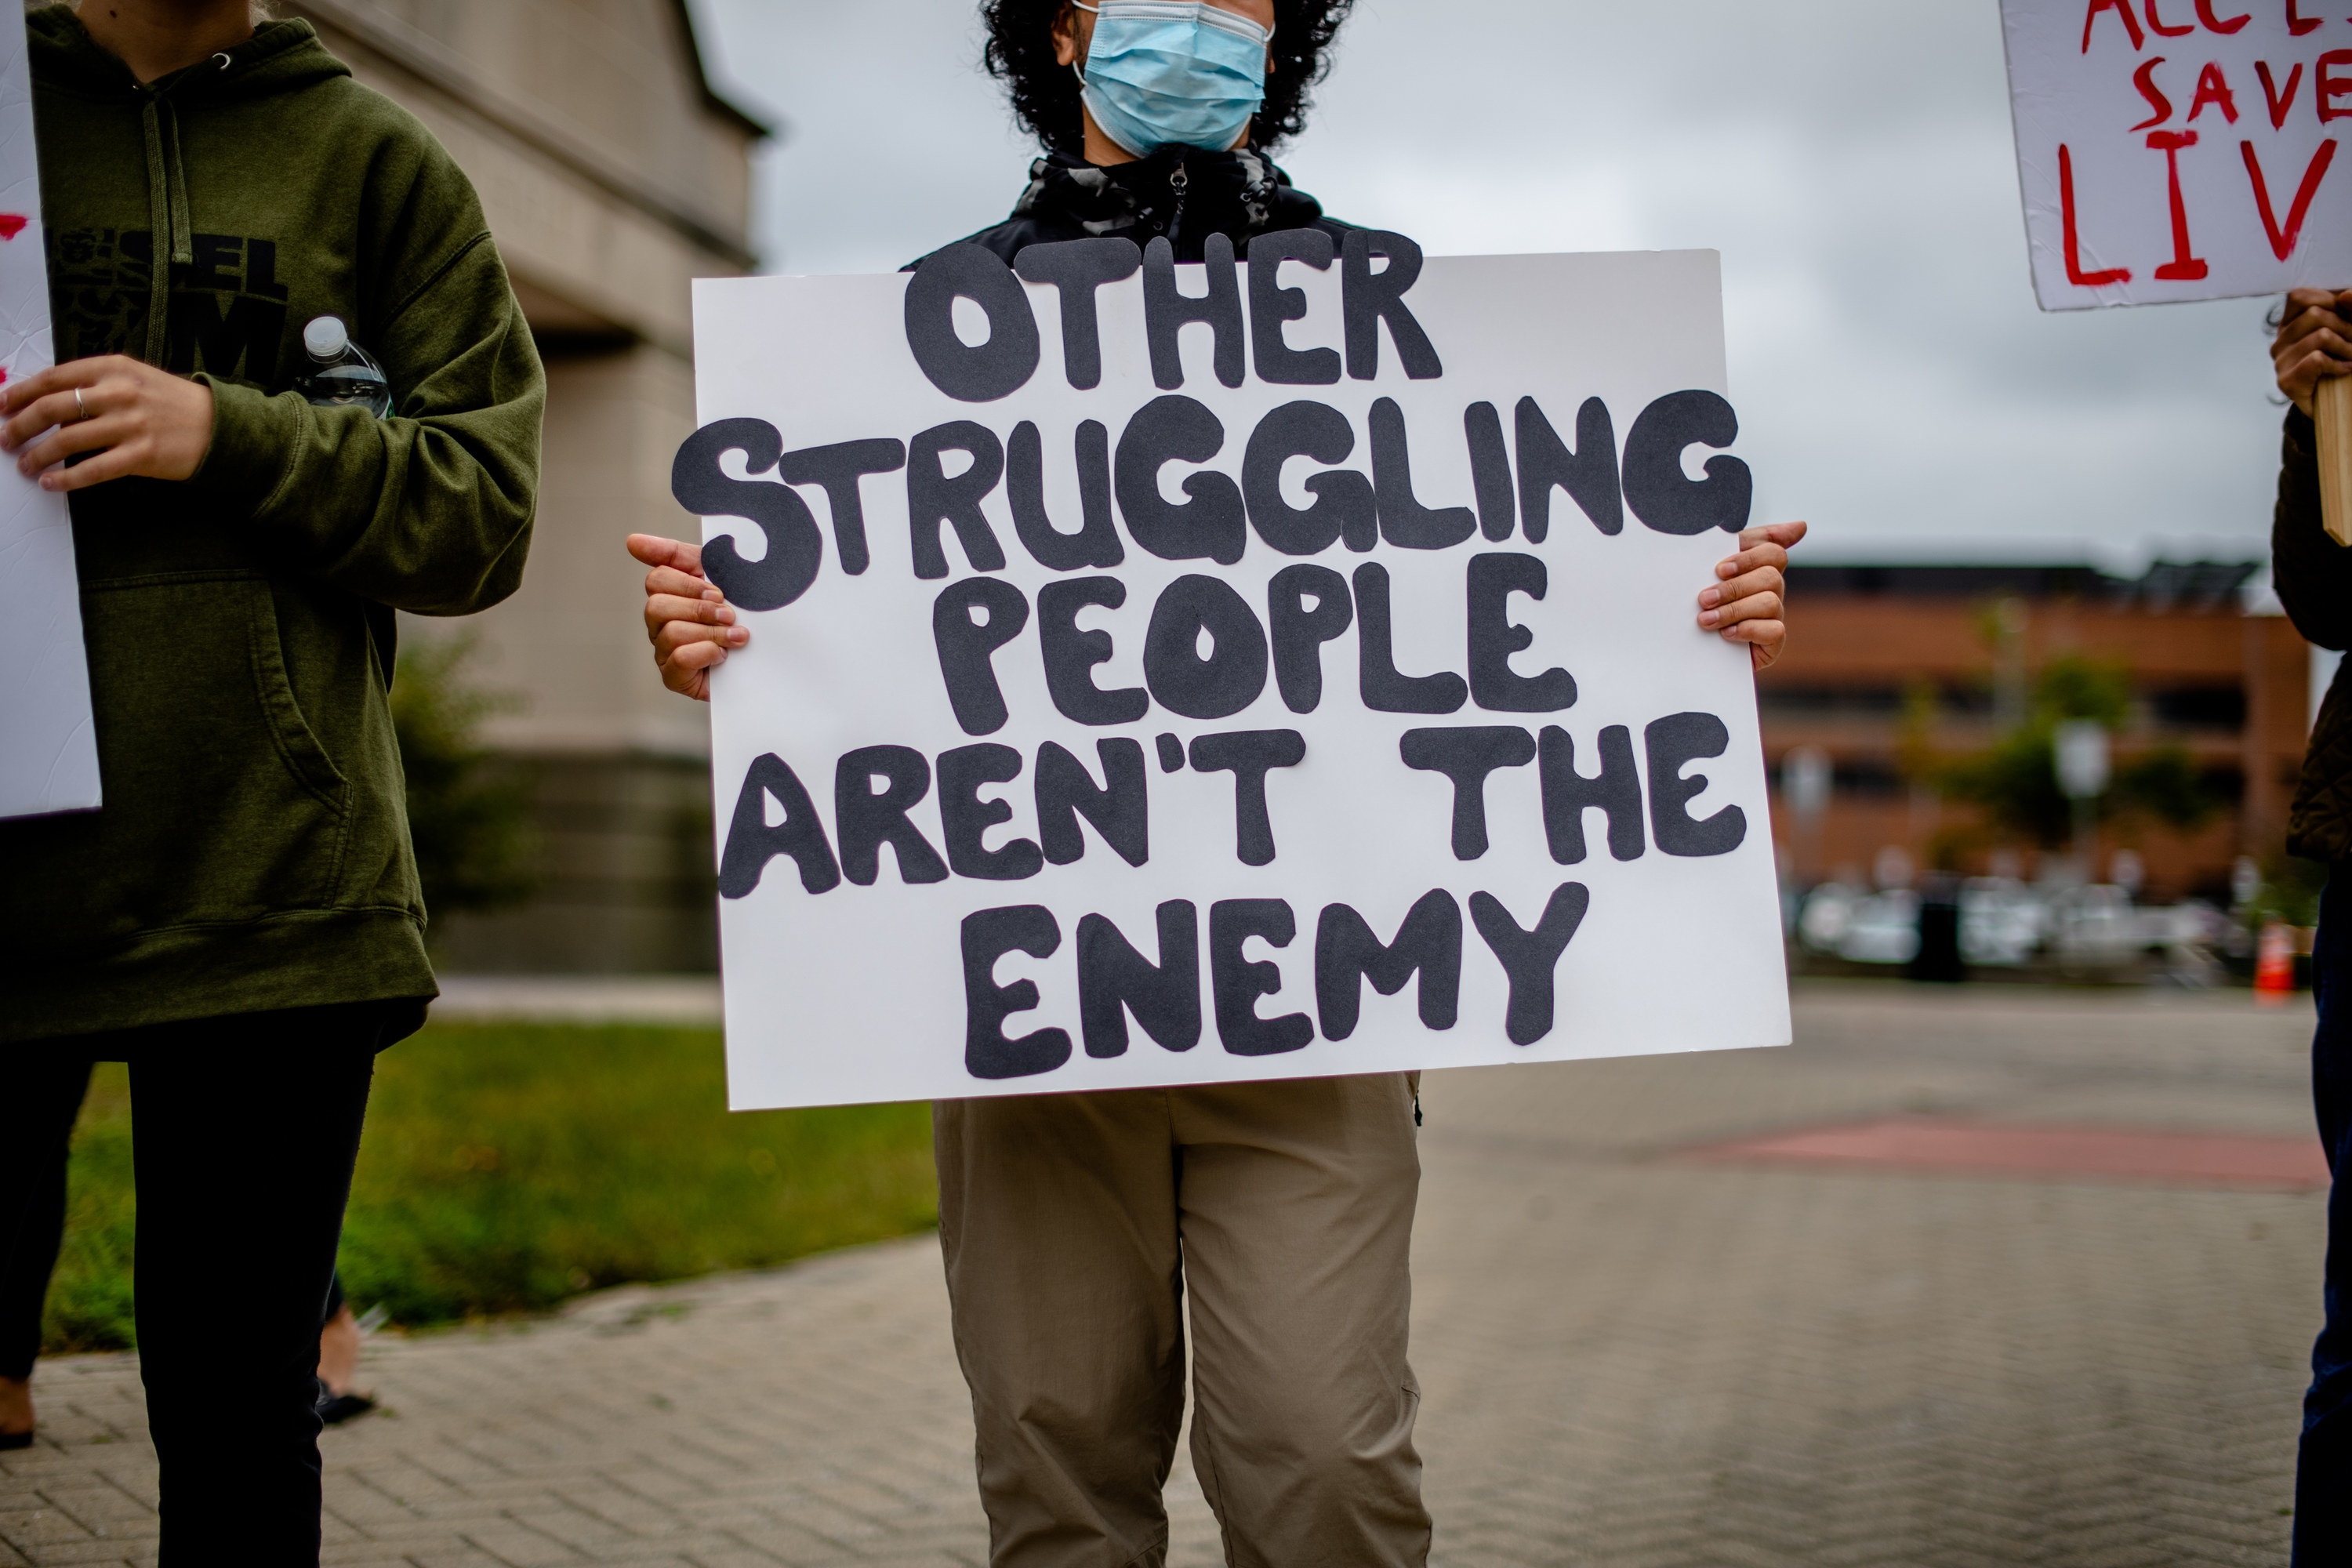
2175,150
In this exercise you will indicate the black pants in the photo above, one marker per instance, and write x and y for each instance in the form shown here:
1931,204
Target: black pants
39,1103
40,1096
2323,1480
244,1132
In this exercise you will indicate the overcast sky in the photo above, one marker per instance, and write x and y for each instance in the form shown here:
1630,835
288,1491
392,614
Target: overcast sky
1851,159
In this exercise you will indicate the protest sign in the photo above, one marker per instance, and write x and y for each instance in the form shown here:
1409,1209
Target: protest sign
2175,150
1177,673
49,748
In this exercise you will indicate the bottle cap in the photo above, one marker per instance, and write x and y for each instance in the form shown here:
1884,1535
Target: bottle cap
326,337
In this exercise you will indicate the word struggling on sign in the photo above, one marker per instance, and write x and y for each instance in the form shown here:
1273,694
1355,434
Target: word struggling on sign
1173,674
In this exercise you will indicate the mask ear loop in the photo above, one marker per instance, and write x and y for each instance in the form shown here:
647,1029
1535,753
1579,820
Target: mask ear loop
1076,69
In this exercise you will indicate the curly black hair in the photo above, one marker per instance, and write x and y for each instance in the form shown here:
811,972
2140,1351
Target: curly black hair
1045,95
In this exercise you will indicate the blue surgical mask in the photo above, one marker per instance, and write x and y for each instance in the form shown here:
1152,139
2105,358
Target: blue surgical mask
1165,73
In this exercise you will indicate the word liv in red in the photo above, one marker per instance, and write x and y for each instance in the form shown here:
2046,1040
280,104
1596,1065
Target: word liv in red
2283,241
12,225
2074,273
2183,267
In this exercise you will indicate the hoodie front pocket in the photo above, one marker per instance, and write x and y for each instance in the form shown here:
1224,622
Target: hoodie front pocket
222,806
305,758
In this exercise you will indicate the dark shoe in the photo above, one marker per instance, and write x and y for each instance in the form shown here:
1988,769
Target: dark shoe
12,1441
337,1408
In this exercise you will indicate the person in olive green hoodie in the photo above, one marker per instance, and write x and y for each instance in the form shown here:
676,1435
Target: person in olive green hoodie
241,920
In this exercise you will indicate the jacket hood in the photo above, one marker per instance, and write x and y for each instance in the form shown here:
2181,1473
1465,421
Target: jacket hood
279,57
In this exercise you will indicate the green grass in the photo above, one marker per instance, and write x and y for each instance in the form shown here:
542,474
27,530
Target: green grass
508,1167
89,1294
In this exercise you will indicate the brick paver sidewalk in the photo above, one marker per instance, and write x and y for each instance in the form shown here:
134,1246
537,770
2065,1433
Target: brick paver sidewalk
1628,1358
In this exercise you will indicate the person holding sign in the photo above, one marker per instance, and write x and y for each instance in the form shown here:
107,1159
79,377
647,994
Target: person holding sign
1080,1229
2192,153
2313,575
241,922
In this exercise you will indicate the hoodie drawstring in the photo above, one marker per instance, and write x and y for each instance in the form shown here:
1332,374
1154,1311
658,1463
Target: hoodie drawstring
170,242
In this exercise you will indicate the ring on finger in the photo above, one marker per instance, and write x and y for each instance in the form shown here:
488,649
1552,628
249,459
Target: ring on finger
82,409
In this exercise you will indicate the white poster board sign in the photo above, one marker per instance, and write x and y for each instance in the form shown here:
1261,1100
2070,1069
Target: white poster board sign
49,748
2173,150
1180,674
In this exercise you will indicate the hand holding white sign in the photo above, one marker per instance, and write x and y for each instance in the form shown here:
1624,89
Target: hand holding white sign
687,616
137,422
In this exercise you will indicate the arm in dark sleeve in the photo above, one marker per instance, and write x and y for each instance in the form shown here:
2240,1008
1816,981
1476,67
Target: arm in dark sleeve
430,510
2310,572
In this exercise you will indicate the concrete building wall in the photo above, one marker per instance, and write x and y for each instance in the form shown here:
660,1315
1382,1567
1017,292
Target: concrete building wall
572,638
616,80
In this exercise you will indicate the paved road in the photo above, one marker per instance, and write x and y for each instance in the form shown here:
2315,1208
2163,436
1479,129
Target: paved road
1628,1359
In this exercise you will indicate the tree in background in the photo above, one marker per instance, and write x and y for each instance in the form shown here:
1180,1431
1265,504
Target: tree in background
2288,893
469,811
2014,782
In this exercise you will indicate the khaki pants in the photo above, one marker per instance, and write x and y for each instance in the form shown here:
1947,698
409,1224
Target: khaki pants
1075,1228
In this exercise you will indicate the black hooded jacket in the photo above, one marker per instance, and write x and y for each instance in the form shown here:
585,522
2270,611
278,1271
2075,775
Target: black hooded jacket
2313,576
1179,193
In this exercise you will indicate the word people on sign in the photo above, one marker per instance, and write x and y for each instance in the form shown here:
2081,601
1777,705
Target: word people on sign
1156,668
2174,150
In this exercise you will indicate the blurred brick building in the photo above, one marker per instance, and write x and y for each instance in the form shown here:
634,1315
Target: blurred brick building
1881,648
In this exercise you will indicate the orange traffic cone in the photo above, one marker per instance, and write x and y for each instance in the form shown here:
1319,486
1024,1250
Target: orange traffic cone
2274,964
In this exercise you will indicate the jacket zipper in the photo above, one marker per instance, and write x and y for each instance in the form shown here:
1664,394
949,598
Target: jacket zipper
1177,182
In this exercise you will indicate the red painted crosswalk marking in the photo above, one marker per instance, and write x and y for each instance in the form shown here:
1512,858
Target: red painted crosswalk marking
1924,1144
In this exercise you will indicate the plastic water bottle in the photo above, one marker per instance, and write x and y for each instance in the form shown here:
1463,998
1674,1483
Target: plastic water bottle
342,374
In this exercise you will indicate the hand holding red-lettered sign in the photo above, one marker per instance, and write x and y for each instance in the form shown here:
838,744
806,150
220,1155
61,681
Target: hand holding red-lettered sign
2174,150
2314,343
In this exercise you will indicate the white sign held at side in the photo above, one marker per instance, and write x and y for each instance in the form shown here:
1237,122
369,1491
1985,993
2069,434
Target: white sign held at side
48,746
1136,699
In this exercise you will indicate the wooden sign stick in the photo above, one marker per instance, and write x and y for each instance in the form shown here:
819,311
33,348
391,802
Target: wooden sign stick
2331,410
